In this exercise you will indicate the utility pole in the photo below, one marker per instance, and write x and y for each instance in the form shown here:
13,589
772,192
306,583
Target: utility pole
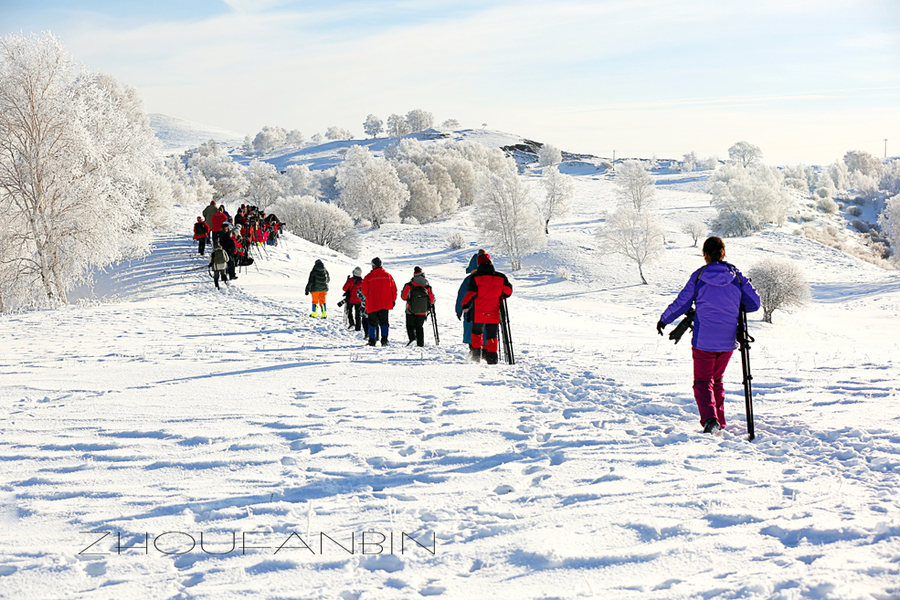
885,147
614,157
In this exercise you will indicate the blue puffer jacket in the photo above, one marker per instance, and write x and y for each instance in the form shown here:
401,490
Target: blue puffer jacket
717,290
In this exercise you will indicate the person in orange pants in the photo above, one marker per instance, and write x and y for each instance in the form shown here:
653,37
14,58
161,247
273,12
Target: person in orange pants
318,287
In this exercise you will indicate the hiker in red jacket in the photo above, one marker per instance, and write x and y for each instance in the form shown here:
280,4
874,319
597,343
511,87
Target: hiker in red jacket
352,299
419,299
201,232
487,288
380,292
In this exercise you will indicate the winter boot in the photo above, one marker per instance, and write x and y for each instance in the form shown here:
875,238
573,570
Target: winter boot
490,358
711,426
324,312
474,354
371,341
384,341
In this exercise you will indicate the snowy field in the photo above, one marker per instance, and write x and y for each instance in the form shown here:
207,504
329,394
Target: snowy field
165,440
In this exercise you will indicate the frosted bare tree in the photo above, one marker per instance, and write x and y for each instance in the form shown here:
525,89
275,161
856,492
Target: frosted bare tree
559,190
398,126
370,188
637,187
419,120
634,235
745,154
549,155
80,175
450,124
781,285
265,184
889,220
695,229
506,215
337,133
373,126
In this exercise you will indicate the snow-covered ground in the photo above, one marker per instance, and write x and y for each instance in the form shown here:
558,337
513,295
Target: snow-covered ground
165,440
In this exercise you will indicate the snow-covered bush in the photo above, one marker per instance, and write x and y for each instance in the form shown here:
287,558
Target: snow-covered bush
636,187
781,285
860,226
294,139
858,161
370,188
635,235
827,205
223,174
318,222
889,221
82,181
746,199
890,178
336,133
505,213
563,273
689,163
450,124
456,241
268,140
854,211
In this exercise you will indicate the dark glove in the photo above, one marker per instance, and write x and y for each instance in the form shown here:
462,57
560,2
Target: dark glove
307,293
660,326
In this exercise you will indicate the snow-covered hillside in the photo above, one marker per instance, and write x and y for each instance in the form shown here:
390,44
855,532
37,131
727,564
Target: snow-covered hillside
178,135
165,440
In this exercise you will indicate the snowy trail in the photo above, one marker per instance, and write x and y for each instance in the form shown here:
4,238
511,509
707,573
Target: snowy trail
186,412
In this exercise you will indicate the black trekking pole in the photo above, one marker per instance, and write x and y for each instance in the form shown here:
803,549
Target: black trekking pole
437,339
505,332
744,340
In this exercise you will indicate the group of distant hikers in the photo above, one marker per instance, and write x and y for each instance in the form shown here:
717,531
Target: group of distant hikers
232,239
712,300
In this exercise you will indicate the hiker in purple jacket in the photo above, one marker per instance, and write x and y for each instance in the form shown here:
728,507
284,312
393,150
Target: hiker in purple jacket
716,291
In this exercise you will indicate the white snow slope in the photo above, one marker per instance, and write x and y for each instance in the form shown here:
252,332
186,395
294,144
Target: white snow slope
172,441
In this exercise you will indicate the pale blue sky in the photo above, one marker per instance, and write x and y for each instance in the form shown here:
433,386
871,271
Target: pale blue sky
806,80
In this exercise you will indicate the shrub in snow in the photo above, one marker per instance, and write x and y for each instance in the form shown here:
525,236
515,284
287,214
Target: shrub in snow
781,285
456,241
890,178
450,124
858,161
336,133
549,155
82,181
634,235
505,213
410,221
370,188
746,199
827,205
689,163
559,189
294,139
695,229
745,154
854,211
636,187
563,273
889,220
318,222
860,226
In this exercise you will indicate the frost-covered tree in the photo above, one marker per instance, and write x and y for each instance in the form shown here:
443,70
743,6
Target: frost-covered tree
269,139
549,155
182,187
747,199
298,181
559,189
80,177
506,215
858,161
419,120
370,188
890,177
373,126
781,285
294,139
318,222
265,184
695,229
450,124
336,133
635,235
689,163
424,204
219,170
636,187
398,126
745,154
889,220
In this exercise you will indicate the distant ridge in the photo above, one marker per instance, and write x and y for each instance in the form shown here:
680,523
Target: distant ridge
178,135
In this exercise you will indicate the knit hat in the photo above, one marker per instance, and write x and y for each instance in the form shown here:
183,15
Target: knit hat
376,262
417,271
226,225
357,272
199,218
483,258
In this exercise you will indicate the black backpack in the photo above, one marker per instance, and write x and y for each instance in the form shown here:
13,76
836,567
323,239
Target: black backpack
417,302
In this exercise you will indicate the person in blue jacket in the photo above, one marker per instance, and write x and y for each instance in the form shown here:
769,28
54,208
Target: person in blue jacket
717,291
463,288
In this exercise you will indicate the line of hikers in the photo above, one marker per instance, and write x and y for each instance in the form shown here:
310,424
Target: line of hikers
368,301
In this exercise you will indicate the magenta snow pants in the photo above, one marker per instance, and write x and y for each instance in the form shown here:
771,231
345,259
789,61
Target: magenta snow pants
708,389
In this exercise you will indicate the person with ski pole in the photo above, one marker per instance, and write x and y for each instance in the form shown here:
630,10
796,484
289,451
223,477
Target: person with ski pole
486,290
201,233
716,291
461,313
352,299
419,298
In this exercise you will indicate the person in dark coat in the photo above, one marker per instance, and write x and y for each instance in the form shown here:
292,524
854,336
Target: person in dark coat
201,233
419,298
218,263
380,293
352,301
317,285
717,292
461,312
228,244
487,288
